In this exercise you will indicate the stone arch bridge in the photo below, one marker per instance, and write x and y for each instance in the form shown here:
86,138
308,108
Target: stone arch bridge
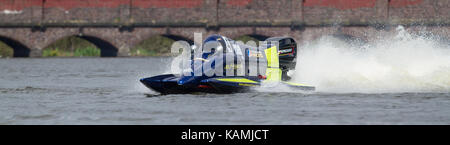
115,26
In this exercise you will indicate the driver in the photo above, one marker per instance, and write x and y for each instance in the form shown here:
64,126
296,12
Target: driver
211,47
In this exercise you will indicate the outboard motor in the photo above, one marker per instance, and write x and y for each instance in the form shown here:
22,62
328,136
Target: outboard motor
287,54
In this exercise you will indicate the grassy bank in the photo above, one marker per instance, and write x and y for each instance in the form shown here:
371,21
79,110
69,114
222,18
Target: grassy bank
5,50
71,47
154,46
77,47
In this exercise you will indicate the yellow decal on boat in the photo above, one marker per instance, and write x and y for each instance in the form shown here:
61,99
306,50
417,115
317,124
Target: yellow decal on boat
250,85
295,84
272,57
273,72
237,80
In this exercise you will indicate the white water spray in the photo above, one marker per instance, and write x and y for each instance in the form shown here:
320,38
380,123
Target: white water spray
399,63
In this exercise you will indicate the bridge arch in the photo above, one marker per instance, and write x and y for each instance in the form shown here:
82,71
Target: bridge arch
157,44
19,49
107,49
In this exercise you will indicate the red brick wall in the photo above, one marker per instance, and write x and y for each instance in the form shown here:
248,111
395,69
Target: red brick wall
167,3
255,11
341,4
232,12
70,4
340,11
20,11
173,11
19,4
84,11
419,11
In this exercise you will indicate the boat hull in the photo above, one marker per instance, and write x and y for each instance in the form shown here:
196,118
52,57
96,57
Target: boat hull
169,84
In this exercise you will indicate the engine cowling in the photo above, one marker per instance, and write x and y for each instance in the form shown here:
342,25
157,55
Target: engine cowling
287,54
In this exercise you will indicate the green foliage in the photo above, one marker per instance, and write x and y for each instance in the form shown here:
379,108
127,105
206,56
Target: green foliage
71,47
154,46
78,47
5,50
88,51
50,52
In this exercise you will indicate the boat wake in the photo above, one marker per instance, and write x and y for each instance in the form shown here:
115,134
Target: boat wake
400,63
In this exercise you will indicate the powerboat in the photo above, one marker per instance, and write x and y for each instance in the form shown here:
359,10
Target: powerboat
222,65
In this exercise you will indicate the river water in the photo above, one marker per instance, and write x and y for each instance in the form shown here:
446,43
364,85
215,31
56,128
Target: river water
108,91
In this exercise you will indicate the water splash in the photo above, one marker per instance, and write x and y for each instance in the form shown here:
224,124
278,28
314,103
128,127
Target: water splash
400,63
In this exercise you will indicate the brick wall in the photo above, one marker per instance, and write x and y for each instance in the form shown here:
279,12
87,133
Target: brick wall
20,11
235,12
85,11
419,11
342,11
224,12
177,12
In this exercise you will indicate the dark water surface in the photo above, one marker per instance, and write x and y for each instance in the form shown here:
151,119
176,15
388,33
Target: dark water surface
107,91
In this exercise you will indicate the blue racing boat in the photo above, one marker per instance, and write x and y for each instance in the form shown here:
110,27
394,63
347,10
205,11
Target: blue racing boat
222,65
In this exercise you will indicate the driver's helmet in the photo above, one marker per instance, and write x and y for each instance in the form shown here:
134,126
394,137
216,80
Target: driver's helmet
212,45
